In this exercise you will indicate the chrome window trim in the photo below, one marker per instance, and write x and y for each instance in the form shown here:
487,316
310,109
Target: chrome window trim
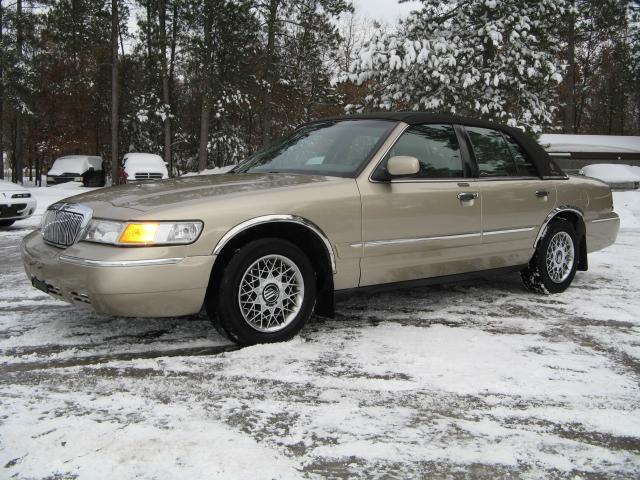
431,180
227,237
119,263
503,178
552,215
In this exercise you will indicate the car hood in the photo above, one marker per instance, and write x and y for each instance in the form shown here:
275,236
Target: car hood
144,197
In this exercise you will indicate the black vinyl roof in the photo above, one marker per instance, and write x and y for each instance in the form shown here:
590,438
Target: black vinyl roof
537,154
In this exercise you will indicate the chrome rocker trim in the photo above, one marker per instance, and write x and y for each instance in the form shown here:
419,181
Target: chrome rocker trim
512,230
400,241
85,262
227,237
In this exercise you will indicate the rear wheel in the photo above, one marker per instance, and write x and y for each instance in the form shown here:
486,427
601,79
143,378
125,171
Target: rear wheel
266,294
554,264
6,223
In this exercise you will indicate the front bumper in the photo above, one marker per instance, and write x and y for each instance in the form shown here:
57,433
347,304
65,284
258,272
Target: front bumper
17,208
144,287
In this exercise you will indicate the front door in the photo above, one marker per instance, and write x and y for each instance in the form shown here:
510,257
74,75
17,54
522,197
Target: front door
427,225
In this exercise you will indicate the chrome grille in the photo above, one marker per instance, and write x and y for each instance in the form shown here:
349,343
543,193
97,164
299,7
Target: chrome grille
148,176
63,223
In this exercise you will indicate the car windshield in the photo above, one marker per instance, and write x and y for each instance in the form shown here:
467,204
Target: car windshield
332,148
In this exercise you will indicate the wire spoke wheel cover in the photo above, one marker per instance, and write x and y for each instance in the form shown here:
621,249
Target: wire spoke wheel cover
560,257
271,293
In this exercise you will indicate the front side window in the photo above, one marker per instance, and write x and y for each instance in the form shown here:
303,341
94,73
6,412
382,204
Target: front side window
334,148
435,146
492,153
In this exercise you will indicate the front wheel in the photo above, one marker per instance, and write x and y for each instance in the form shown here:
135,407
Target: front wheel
554,264
266,294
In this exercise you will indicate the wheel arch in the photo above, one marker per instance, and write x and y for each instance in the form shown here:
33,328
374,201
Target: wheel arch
300,231
575,216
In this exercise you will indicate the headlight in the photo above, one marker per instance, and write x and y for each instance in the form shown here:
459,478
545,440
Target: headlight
142,233
21,195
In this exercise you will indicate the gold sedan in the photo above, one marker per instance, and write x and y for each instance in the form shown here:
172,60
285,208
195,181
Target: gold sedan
371,201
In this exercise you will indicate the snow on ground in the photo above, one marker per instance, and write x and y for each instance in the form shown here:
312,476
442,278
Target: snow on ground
474,379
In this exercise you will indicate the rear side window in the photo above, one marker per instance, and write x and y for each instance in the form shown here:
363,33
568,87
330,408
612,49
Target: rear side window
524,165
435,146
492,153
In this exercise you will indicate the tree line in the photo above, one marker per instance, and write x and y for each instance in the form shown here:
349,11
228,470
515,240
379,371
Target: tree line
206,83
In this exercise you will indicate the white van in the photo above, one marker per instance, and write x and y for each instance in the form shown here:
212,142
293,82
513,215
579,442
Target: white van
77,168
140,167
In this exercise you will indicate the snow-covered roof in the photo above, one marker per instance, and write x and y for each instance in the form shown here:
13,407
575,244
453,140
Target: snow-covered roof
75,164
552,142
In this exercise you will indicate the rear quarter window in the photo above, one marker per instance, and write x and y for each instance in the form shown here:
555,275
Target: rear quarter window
524,165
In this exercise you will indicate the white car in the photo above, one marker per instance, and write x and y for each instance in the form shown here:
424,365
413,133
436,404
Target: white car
16,203
142,167
77,168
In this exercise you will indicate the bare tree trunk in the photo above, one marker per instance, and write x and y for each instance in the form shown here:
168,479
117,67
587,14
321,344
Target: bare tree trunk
204,135
174,41
1,102
569,117
17,152
114,92
206,108
267,106
162,13
148,11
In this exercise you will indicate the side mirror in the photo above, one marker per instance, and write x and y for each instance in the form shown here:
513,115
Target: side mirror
403,166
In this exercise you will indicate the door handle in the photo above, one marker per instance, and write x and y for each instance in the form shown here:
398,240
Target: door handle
467,196
542,193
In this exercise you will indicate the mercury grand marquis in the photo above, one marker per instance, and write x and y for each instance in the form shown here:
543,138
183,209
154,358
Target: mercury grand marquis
370,201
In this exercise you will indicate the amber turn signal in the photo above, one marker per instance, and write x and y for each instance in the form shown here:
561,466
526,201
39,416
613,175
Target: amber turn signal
139,233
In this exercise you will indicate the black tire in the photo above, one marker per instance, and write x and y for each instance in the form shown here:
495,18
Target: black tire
223,305
6,223
537,277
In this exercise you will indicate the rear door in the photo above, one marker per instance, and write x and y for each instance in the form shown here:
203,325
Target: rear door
515,200
426,225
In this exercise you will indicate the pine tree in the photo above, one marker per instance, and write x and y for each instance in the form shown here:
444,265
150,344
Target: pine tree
484,58
298,34
591,29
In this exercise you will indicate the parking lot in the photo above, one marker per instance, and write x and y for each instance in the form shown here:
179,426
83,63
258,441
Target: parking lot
477,378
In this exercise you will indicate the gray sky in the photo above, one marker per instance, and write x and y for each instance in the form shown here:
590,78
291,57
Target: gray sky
388,10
